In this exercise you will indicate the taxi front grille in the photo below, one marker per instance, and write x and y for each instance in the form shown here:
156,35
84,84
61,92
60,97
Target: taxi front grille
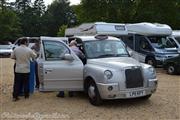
134,78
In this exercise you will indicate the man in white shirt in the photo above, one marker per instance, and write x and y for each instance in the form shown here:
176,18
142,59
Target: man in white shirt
22,56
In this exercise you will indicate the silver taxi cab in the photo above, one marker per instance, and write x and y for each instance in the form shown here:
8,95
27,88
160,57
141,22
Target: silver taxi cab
108,71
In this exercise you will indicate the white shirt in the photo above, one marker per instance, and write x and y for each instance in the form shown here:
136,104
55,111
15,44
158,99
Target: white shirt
22,55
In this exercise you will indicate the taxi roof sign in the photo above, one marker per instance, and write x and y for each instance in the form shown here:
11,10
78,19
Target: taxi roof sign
101,37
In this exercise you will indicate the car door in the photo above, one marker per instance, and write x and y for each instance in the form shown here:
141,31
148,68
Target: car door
56,72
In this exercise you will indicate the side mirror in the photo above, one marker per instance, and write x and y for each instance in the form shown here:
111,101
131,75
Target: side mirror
68,57
130,53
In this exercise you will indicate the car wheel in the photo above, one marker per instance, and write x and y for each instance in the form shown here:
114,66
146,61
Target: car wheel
146,97
93,94
151,61
171,69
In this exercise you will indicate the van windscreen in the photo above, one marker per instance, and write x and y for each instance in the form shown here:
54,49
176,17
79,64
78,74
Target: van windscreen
178,39
161,42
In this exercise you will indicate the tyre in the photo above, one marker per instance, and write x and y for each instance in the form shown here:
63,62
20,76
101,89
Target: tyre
151,61
171,70
93,93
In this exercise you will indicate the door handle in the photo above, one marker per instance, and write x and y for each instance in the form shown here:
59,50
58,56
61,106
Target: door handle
48,70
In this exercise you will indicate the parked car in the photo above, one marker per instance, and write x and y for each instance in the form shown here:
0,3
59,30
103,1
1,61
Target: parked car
172,65
108,73
31,41
5,49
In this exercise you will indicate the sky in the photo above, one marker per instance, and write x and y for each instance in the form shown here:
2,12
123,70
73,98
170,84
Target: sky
72,2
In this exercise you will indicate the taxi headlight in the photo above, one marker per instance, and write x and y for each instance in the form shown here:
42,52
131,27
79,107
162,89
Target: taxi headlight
152,70
108,74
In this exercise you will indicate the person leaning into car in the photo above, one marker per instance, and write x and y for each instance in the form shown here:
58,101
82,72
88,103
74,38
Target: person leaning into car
22,55
36,49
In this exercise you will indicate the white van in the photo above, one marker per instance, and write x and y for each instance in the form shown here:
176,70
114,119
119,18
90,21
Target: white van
150,43
32,40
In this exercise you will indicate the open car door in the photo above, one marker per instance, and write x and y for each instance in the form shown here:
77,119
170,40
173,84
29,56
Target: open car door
59,67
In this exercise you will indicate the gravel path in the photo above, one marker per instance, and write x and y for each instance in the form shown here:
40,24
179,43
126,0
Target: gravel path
164,104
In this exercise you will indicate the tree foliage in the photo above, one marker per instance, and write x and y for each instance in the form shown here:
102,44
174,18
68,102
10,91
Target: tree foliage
130,11
57,14
9,22
159,11
107,10
61,31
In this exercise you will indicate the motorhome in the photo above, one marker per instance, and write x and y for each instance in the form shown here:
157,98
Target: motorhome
150,43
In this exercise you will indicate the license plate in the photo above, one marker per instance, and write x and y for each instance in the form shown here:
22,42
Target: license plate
136,93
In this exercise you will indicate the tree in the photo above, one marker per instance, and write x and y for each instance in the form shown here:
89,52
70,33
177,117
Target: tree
106,10
2,5
38,11
158,11
129,11
31,16
57,15
79,13
24,11
22,5
61,31
94,10
9,25
39,7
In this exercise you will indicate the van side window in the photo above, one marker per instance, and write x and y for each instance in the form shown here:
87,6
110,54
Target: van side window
54,50
144,45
